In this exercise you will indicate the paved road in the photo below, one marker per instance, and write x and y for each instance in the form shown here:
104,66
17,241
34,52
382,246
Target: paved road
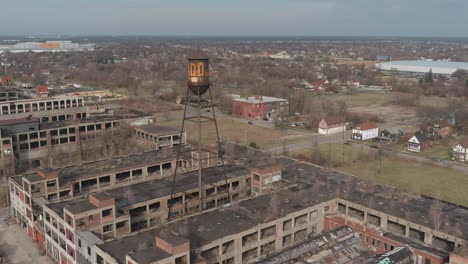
16,246
314,138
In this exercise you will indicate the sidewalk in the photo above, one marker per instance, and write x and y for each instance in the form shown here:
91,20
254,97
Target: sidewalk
15,244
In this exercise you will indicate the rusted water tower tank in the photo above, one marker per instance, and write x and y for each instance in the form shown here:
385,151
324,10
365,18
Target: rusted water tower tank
198,72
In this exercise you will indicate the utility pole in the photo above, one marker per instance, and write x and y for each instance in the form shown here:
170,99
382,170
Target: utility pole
342,145
380,159
245,136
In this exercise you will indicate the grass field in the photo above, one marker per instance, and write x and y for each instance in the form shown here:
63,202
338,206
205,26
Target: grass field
366,99
232,130
435,181
438,151
357,100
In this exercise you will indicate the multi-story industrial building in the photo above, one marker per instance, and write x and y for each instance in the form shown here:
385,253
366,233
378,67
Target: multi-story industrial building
60,131
159,136
32,192
46,109
277,204
8,94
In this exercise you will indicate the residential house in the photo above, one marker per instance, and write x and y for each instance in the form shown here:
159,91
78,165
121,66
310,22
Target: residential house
439,129
418,142
460,150
332,125
42,91
320,85
353,83
390,135
365,131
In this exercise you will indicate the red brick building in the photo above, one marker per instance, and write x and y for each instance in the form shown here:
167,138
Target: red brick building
7,81
260,107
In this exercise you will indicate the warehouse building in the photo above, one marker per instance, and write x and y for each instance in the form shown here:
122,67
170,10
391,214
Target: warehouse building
423,66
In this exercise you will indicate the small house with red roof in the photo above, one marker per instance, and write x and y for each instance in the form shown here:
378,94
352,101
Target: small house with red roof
42,91
331,125
7,81
320,85
460,150
365,131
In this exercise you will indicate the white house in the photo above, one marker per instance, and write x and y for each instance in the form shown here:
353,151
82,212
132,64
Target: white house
418,142
365,131
460,151
332,125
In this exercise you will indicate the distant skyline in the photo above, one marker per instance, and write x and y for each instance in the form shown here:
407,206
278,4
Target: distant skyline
407,18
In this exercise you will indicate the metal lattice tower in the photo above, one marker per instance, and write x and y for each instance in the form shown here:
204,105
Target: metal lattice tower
198,108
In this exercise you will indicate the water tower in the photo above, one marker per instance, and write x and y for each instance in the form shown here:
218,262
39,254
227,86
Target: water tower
199,108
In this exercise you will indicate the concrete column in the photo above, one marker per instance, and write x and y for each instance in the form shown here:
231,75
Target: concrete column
407,228
238,250
112,179
279,236
428,237
147,216
383,222
365,217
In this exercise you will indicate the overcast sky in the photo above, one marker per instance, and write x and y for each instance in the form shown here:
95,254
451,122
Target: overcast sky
237,17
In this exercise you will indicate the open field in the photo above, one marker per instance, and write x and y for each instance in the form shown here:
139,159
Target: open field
435,101
232,130
356,100
427,179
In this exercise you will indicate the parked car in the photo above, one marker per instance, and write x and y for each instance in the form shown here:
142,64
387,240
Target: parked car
250,123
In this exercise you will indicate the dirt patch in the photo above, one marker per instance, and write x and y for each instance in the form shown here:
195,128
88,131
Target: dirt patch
149,106
387,113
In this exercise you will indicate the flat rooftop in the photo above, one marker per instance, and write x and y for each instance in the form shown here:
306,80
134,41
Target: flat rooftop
260,99
209,226
30,100
141,192
412,207
70,174
314,185
88,120
18,121
157,129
